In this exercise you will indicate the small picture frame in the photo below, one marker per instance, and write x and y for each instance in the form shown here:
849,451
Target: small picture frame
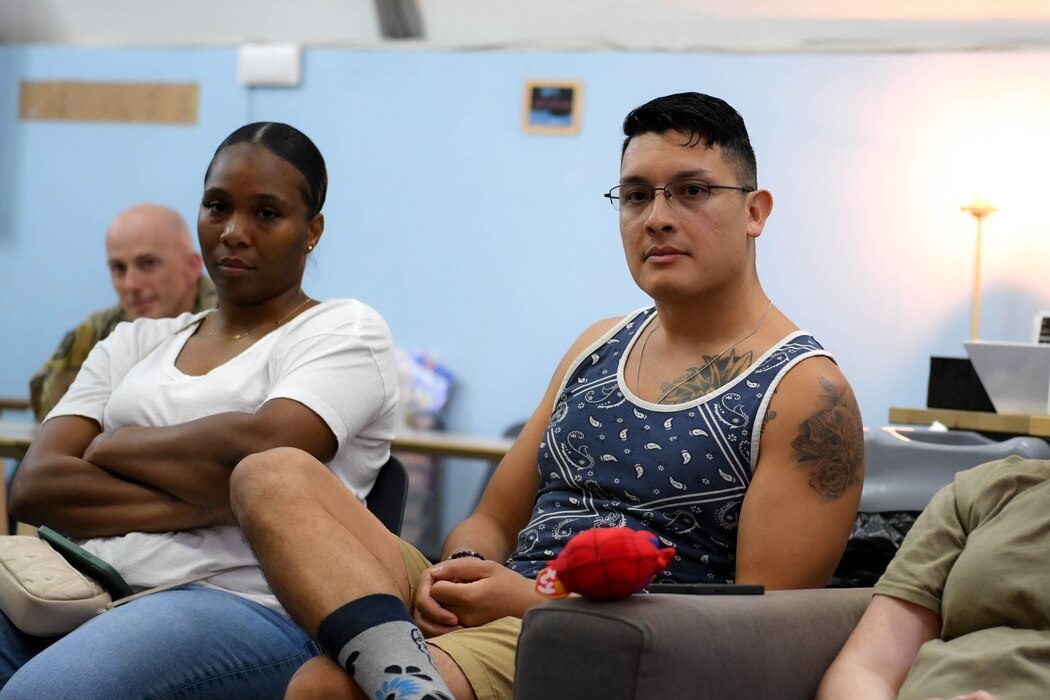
553,107
1041,327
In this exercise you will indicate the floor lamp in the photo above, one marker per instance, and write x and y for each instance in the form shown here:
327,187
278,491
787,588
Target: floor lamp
979,209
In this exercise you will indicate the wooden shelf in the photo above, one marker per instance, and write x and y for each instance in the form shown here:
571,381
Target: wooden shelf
8,403
440,444
980,421
15,437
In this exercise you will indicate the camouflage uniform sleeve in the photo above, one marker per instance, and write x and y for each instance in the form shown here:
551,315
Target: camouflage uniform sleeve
53,380
206,298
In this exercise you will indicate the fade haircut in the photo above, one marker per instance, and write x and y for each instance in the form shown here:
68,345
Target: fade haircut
292,145
706,119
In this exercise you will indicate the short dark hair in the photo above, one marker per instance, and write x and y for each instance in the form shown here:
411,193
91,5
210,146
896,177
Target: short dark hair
293,146
708,120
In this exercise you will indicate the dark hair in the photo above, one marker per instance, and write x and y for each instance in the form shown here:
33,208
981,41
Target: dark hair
293,146
706,119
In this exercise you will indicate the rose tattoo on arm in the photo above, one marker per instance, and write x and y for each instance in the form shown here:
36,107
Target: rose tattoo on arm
831,443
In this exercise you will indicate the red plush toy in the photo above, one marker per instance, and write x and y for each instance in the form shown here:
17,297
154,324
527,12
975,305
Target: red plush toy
604,564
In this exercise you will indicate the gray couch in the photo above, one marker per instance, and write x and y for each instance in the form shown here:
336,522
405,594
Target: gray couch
720,647
771,647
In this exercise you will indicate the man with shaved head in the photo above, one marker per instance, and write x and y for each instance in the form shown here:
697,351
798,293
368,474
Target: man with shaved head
156,273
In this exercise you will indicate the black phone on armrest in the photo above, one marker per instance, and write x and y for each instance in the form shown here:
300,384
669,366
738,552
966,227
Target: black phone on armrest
87,563
708,588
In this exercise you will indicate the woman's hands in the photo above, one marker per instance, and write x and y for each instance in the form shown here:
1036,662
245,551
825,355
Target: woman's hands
469,592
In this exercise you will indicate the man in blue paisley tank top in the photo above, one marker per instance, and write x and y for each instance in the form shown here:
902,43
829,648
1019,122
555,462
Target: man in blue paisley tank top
708,418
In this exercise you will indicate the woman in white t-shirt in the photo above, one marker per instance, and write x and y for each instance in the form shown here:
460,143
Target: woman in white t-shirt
134,462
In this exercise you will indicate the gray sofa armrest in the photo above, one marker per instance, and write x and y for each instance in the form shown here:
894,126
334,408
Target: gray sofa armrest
726,647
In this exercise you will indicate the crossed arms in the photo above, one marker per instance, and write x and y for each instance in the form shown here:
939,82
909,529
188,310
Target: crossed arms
89,483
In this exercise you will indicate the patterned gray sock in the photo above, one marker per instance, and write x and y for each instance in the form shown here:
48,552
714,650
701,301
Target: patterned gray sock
377,643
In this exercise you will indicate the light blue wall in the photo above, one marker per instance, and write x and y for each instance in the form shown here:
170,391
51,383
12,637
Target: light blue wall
495,248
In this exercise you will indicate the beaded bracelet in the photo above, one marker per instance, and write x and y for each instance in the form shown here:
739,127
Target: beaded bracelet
465,553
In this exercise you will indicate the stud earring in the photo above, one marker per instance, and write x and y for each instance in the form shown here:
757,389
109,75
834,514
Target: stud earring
309,248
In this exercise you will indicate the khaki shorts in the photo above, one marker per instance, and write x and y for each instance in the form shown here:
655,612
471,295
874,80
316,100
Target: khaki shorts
485,654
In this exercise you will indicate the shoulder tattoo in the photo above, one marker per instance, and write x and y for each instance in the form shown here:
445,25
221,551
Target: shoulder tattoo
830,443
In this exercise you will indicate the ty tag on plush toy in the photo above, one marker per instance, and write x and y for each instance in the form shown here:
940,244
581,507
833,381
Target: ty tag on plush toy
604,564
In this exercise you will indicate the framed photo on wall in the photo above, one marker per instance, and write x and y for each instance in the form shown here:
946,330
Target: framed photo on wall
553,106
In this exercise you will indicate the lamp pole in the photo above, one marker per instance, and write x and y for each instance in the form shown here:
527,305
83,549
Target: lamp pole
979,209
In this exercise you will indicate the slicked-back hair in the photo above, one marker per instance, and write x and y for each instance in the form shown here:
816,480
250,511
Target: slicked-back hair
707,120
292,145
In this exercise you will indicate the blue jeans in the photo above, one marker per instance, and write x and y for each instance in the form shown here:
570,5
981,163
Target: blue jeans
190,642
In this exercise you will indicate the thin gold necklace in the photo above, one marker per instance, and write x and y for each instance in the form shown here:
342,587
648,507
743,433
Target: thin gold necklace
691,375
277,323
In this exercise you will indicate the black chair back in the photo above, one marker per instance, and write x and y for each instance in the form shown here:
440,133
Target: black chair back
388,496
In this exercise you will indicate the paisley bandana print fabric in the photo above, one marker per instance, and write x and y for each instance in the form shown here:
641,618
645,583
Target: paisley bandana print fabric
611,459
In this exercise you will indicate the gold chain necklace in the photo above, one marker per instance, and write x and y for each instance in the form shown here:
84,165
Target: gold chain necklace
641,354
277,323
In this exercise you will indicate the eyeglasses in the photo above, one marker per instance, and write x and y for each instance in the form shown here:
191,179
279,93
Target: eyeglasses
635,198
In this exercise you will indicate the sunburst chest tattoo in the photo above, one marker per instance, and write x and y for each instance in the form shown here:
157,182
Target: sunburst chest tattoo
831,443
701,381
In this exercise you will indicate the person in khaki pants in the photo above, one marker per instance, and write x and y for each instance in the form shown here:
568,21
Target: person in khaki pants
708,418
